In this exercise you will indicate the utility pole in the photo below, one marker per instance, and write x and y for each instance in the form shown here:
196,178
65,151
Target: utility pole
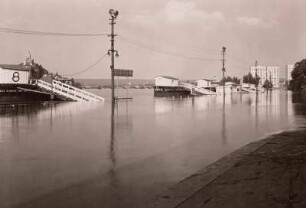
256,77
113,15
223,68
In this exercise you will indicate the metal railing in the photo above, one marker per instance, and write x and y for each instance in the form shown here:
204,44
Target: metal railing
69,91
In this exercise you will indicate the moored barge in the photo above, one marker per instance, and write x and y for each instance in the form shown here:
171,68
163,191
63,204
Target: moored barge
17,83
169,86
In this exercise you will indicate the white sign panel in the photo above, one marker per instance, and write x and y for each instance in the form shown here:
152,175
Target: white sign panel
14,76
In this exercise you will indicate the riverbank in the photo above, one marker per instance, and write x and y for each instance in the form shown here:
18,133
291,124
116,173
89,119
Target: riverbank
267,173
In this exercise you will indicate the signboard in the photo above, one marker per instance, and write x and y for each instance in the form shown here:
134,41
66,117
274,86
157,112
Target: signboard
8,76
123,72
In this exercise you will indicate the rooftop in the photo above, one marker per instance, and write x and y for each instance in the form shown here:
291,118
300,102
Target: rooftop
19,67
169,77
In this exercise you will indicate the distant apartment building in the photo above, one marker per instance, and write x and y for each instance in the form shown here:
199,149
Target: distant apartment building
289,69
270,73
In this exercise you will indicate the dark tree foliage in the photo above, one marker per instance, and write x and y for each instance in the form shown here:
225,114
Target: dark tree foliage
37,71
250,79
299,72
268,85
230,79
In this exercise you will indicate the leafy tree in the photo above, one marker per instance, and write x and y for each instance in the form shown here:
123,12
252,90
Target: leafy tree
37,71
230,79
268,85
250,79
299,72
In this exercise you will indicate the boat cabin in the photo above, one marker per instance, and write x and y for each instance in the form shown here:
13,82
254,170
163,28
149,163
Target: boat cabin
14,74
166,81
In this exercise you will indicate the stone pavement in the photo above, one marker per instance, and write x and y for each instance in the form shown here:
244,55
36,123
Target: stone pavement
267,173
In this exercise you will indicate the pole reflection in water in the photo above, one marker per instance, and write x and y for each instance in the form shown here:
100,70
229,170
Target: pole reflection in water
112,154
256,109
121,122
224,136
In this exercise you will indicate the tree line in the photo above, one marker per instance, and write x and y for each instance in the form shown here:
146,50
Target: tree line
249,79
298,74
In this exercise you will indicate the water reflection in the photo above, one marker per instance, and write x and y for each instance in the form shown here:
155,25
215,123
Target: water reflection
121,122
224,135
256,109
112,152
263,107
164,105
128,150
112,155
44,111
298,100
13,117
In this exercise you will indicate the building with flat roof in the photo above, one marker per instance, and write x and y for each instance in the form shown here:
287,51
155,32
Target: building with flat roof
270,73
166,81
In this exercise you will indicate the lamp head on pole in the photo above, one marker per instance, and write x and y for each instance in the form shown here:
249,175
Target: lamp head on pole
113,13
223,49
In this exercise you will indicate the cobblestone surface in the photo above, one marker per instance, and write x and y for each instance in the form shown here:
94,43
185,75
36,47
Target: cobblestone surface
269,173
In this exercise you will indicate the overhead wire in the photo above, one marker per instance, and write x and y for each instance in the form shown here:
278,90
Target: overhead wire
32,32
211,51
129,41
237,64
87,68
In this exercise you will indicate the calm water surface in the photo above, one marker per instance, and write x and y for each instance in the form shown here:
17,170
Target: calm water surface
78,155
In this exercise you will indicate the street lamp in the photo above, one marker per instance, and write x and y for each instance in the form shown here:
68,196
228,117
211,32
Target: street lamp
113,13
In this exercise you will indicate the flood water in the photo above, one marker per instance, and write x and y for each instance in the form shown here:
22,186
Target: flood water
79,155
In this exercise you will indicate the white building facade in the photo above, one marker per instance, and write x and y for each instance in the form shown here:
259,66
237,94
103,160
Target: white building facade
266,73
204,83
289,69
14,74
166,81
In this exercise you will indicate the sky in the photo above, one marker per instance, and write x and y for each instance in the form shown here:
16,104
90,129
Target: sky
180,38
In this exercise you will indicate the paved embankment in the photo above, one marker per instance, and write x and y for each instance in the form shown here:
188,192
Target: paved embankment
267,173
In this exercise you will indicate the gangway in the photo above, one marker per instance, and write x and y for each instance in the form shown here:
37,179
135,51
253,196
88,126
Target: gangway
196,90
68,92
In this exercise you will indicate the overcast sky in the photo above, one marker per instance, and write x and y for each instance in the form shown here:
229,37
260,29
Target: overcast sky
181,38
